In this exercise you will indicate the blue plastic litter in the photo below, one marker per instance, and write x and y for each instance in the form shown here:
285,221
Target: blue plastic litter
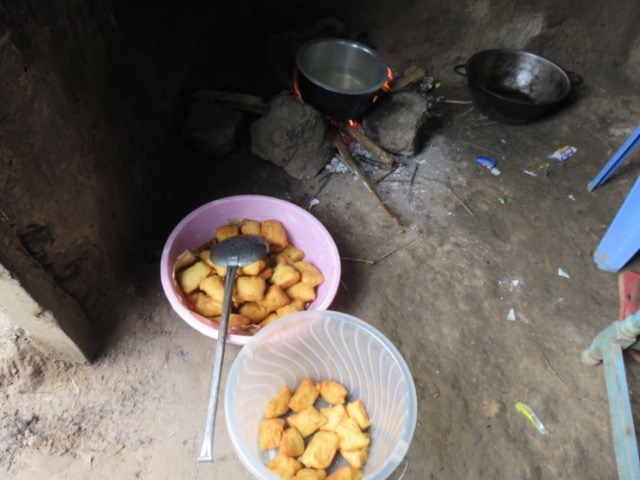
485,162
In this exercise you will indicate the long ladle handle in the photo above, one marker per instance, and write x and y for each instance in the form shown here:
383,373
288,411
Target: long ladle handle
206,453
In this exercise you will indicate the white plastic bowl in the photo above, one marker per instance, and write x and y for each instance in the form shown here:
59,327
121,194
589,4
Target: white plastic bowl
303,229
323,345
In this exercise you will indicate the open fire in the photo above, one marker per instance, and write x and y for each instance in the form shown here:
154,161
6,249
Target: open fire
354,129
297,134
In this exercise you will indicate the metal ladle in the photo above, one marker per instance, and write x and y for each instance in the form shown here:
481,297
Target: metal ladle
234,252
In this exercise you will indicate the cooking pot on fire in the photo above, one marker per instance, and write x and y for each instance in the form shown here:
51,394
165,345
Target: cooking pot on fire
515,86
339,77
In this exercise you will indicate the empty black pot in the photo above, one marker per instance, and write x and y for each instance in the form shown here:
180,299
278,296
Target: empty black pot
515,86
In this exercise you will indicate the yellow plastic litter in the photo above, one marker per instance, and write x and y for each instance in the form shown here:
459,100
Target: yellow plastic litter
533,418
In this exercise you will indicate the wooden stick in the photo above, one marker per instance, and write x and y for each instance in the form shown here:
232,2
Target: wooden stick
459,102
358,260
239,101
77,392
388,254
411,75
459,200
384,156
348,159
373,262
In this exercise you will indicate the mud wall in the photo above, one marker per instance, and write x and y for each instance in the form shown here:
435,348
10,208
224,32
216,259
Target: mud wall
88,90
599,40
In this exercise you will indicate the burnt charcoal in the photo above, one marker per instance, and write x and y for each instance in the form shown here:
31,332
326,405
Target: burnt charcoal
394,124
211,128
293,136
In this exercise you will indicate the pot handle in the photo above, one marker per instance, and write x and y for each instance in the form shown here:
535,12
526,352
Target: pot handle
459,70
574,78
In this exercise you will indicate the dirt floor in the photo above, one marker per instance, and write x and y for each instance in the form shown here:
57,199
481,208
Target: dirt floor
473,247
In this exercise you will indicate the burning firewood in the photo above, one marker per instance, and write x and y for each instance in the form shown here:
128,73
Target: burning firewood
411,75
348,159
384,156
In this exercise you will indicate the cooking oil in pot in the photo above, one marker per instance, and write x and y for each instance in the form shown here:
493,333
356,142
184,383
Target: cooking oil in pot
340,80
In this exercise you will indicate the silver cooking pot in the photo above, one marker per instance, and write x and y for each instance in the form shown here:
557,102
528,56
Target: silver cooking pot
339,77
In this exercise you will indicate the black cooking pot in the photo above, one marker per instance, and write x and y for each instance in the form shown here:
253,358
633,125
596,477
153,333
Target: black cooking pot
339,77
515,86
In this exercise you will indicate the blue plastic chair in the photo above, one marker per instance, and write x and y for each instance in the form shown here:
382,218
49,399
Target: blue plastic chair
622,240
629,146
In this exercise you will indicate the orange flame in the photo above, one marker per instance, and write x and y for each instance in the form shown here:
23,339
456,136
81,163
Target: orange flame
296,87
387,85
352,123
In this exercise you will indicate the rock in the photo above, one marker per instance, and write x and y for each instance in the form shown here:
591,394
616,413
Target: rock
293,136
394,124
211,128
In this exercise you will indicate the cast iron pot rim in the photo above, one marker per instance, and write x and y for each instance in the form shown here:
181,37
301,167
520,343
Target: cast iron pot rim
562,71
351,43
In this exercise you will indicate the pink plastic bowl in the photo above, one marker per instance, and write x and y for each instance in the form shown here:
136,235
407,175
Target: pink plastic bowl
305,232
